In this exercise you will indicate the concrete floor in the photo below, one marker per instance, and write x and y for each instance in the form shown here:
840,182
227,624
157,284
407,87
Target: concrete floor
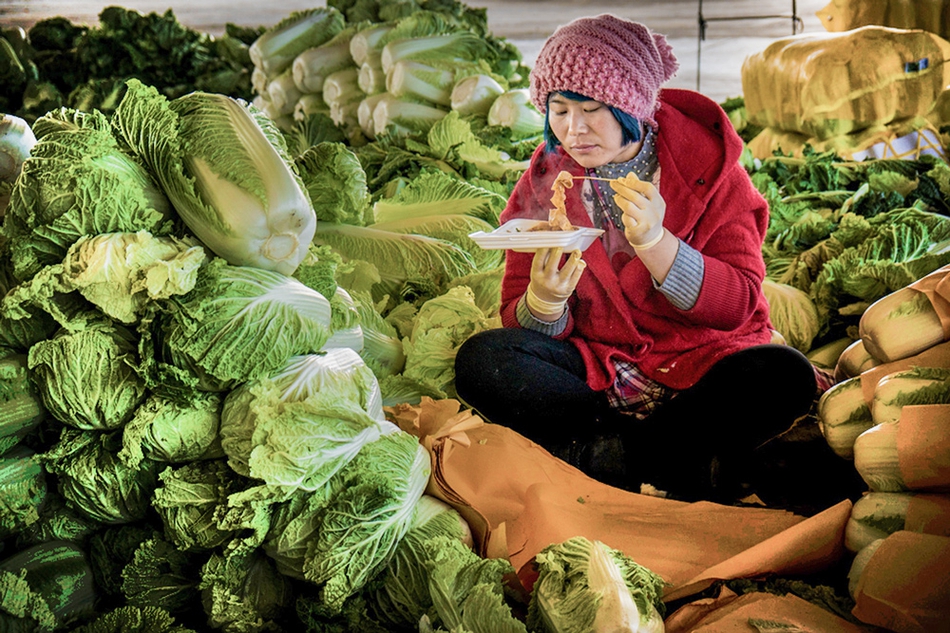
527,23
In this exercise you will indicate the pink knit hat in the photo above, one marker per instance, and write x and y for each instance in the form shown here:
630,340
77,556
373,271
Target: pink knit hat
614,61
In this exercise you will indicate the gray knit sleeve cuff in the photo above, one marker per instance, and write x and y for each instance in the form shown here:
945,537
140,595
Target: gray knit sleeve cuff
529,322
685,279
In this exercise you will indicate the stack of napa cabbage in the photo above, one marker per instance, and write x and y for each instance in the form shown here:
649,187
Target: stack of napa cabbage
825,90
399,75
890,413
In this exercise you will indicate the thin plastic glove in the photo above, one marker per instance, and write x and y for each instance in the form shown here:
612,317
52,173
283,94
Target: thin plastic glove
643,211
550,287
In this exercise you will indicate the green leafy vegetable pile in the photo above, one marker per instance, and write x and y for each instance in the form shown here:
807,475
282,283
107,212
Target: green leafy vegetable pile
847,233
58,63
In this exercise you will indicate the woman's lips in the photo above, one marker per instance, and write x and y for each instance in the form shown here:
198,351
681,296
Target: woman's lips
584,148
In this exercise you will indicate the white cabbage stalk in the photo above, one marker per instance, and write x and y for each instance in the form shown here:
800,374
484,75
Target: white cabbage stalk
16,141
365,48
514,110
364,114
342,87
475,94
414,79
876,458
843,415
874,516
826,356
617,612
458,46
263,103
854,360
345,115
283,93
371,79
407,117
919,385
275,50
259,81
899,325
308,105
311,67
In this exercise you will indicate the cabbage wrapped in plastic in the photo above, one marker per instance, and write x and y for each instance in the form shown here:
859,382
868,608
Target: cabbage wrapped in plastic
227,171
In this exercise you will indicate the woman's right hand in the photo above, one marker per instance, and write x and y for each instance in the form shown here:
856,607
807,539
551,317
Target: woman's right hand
550,286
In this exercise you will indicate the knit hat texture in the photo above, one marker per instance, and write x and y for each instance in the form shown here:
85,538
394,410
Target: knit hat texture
608,59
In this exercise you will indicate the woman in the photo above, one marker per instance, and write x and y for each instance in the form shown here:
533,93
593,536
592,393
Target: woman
657,338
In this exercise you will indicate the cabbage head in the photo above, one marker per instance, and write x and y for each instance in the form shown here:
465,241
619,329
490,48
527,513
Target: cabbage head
239,323
187,498
793,314
585,586
94,480
294,444
439,329
226,169
169,431
78,181
87,378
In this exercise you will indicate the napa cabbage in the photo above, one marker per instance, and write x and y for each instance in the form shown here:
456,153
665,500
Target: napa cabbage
87,378
222,332
187,498
439,329
119,273
586,586
95,481
336,183
165,430
226,168
78,181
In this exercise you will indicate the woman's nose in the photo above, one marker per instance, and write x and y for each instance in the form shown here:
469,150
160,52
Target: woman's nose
577,123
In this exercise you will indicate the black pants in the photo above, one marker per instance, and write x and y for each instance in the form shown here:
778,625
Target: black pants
537,386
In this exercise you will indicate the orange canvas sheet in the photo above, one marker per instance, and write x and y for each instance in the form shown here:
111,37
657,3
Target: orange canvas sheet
729,613
906,584
518,499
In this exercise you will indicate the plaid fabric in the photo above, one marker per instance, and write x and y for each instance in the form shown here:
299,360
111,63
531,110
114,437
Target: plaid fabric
634,394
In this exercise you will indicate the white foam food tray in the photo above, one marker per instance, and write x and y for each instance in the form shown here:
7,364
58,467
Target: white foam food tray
516,235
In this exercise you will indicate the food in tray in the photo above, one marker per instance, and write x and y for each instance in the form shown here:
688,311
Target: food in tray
557,217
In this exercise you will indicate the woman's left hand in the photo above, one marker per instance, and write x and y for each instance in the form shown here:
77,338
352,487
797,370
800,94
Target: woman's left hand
643,210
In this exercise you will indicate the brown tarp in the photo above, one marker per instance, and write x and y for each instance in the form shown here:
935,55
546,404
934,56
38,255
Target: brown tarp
518,499
905,586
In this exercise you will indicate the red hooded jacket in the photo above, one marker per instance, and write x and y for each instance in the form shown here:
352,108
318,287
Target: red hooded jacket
711,205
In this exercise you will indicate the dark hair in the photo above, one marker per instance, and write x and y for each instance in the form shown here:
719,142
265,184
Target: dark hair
629,125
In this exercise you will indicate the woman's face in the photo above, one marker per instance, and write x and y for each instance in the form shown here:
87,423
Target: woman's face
588,131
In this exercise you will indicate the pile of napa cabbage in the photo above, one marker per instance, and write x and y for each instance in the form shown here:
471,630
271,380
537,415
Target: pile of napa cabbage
182,396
